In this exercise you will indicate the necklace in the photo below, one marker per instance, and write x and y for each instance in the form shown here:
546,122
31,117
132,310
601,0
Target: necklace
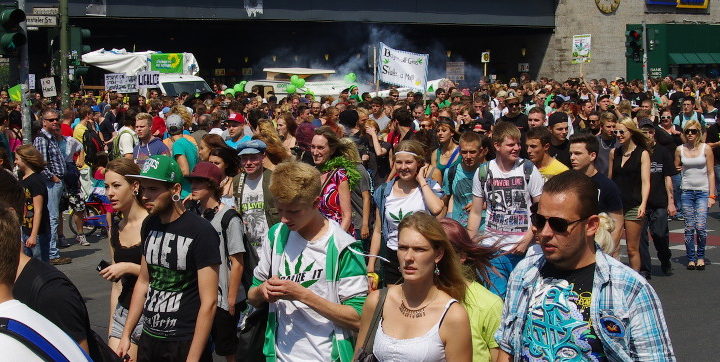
414,313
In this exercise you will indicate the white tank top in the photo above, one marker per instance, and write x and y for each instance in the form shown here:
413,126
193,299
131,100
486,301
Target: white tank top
694,170
426,348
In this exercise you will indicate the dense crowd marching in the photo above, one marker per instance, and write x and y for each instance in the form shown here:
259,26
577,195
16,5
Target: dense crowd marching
475,224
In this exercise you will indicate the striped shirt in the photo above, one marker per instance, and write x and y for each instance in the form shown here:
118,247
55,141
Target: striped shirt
49,148
619,294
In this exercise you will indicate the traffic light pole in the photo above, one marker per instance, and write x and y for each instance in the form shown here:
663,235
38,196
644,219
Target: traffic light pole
24,81
644,56
64,46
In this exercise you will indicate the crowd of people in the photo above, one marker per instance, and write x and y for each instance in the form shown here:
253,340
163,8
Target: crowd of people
479,224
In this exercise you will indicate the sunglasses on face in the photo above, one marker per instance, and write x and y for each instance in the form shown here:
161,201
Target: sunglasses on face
691,131
513,104
665,117
52,119
557,224
618,132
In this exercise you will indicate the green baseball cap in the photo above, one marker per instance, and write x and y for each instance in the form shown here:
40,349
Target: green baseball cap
160,168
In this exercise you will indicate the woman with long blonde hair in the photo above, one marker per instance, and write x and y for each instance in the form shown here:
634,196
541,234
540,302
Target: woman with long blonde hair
422,318
630,169
276,151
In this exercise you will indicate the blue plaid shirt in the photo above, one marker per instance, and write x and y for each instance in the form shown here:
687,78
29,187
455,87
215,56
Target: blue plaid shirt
619,294
50,149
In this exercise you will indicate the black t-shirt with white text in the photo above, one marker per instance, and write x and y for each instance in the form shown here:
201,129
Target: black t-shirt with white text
34,185
174,252
558,323
661,164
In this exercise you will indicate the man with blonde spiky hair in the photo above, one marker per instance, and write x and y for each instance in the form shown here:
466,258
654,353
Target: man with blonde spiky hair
309,274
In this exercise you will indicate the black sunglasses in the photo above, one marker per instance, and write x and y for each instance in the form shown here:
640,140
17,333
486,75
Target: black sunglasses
618,131
665,117
52,119
512,104
558,224
691,131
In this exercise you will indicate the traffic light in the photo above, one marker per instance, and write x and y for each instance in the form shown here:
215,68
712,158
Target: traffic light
78,36
12,35
633,44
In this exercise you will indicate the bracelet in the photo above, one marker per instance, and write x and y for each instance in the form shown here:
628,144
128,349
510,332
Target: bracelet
375,277
421,186
712,197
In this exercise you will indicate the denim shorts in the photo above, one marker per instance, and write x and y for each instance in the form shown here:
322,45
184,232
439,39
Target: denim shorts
118,324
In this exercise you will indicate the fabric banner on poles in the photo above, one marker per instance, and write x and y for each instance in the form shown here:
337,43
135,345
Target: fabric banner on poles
401,68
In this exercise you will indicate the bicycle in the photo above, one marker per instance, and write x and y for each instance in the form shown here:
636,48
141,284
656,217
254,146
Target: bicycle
93,217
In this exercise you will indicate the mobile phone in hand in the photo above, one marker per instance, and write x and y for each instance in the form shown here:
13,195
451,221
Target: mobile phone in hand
102,265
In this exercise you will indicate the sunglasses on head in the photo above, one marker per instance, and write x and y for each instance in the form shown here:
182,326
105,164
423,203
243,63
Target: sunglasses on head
557,224
619,132
691,131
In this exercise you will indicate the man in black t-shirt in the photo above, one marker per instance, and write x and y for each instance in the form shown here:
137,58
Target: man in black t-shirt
558,124
713,141
515,115
660,204
583,152
176,290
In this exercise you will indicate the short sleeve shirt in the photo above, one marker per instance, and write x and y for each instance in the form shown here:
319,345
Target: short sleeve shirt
34,185
609,199
174,253
184,147
461,191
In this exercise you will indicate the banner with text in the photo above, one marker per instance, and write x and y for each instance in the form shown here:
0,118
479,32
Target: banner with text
121,83
148,79
48,87
166,62
581,45
401,68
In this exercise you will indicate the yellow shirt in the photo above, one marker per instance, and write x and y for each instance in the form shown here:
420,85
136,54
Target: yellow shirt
553,168
484,310
78,134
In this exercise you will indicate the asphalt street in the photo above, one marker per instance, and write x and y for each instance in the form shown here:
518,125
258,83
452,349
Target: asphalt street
689,298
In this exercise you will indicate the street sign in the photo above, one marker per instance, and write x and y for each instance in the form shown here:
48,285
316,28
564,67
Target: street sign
45,11
485,58
41,20
31,81
455,70
523,67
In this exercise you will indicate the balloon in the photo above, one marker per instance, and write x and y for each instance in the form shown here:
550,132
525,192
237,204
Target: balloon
294,79
350,77
230,91
239,87
300,83
291,89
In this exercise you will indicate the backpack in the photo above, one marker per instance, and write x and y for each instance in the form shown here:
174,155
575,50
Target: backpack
92,145
115,150
484,173
250,257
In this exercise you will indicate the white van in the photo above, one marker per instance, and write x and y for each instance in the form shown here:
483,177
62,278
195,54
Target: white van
321,82
174,84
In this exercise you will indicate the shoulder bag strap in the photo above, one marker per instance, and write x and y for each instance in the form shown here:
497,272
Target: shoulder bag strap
370,337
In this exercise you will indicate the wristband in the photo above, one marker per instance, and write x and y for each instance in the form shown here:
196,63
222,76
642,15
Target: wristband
712,197
375,277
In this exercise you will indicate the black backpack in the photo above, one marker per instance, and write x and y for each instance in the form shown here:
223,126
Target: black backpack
92,145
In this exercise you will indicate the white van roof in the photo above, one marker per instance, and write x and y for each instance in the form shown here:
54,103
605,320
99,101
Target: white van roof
299,71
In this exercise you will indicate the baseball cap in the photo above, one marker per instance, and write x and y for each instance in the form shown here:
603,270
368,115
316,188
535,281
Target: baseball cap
166,110
557,117
236,117
208,171
160,168
174,124
645,122
251,147
502,94
95,108
456,94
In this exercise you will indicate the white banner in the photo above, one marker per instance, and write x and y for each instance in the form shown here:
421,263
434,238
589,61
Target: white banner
121,83
31,81
148,79
401,68
581,46
48,87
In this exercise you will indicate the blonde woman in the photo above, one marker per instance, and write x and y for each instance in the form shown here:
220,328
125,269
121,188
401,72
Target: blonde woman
276,151
694,159
630,169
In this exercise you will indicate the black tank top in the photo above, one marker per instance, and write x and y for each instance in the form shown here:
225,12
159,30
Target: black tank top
122,254
628,177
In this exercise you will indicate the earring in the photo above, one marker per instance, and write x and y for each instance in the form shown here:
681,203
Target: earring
176,197
436,271
136,192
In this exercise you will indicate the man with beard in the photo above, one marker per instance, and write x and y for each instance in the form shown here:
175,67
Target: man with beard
176,290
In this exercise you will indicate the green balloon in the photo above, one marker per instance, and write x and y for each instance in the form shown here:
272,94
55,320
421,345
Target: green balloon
239,87
350,77
294,78
300,83
230,91
291,89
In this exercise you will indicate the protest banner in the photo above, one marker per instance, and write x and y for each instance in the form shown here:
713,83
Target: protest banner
48,87
148,79
121,83
581,45
401,68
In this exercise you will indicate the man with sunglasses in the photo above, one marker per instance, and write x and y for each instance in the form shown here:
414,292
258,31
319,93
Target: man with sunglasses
574,299
514,114
47,143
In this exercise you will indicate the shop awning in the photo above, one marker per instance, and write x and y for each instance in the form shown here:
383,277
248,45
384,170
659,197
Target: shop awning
695,58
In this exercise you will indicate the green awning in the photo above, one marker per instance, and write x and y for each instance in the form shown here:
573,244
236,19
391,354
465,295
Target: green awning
694,58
